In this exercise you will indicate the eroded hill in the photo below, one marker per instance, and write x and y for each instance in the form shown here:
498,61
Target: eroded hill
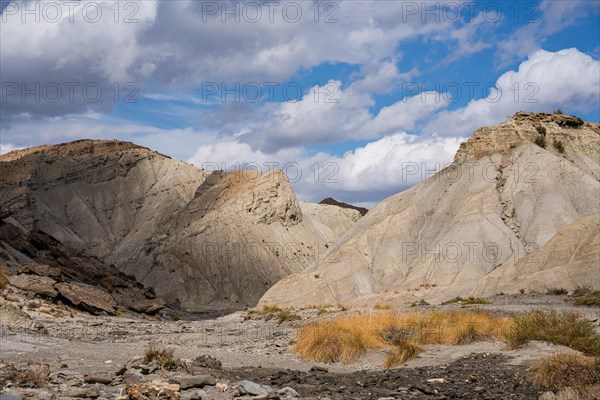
523,192
202,241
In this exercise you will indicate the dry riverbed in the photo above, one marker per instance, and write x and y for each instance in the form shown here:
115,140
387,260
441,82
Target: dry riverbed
242,354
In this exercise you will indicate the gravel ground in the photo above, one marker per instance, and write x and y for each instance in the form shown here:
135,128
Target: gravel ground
80,345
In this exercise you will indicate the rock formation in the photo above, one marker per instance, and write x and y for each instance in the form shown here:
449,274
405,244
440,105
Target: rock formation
516,210
203,241
37,263
334,202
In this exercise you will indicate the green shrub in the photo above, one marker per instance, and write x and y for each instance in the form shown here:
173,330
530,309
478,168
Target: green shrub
557,291
541,130
565,328
540,140
273,312
467,302
558,145
284,316
591,299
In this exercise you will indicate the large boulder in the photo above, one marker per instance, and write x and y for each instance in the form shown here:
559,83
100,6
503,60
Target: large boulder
40,270
150,306
88,297
32,283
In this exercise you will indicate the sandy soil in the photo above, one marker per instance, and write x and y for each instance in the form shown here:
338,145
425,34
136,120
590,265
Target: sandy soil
83,345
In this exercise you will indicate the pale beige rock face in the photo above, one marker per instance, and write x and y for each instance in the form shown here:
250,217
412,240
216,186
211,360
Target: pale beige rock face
338,219
203,241
240,234
569,260
501,199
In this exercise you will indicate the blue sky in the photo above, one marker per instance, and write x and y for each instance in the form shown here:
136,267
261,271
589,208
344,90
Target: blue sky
351,96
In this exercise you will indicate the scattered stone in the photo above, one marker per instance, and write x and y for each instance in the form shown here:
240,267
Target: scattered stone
205,361
103,379
92,393
547,396
81,393
317,368
147,369
288,391
190,382
33,283
88,297
130,378
422,388
199,395
10,397
151,306
153,390
248,387
436,380
383,392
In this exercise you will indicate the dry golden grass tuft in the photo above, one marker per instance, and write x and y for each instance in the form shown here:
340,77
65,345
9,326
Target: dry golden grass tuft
566,328
164,358
35,376
286,316
566,370
591,299
401,353
273,312
467,301
270,308
345,339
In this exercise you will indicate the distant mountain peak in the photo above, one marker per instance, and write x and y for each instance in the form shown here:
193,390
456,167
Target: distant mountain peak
333,202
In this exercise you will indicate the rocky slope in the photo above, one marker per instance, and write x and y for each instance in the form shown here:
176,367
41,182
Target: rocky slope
39,265
203,241
505,202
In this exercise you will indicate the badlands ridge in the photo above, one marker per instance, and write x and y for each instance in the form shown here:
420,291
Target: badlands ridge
518,210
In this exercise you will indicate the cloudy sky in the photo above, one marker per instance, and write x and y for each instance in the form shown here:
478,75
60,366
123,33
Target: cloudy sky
353,99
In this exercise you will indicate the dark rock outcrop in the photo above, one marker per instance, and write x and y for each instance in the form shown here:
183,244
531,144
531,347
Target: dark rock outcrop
334,202
32,283
88,297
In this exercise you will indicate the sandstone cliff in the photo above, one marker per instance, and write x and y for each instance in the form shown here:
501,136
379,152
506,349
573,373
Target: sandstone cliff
503,199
